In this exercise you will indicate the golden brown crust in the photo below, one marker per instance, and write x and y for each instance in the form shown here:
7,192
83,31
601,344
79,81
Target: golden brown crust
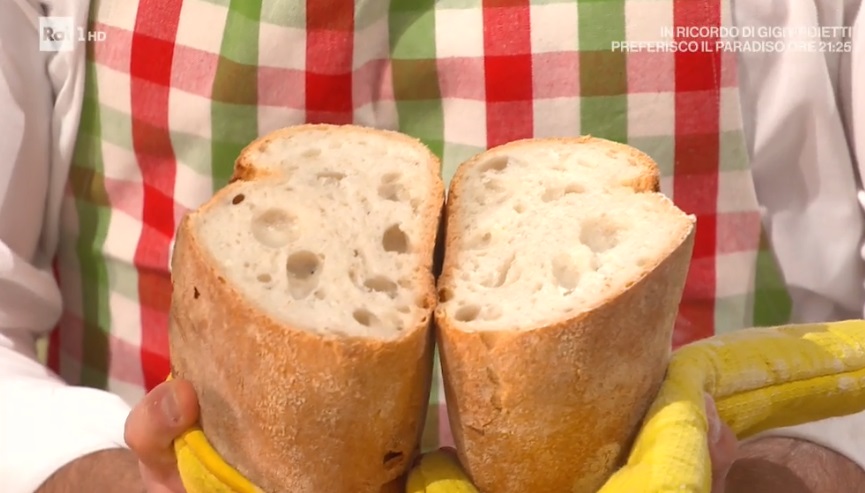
293,411
554,409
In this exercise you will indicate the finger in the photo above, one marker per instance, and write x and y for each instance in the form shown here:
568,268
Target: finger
164,413
722,446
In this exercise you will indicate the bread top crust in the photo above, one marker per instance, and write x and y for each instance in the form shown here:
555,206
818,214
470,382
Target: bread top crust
329,229
545,230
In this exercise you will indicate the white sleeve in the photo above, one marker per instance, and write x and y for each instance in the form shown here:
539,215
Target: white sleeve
44,423
805,128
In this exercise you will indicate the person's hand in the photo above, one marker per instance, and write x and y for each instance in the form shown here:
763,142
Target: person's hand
164,413
723,447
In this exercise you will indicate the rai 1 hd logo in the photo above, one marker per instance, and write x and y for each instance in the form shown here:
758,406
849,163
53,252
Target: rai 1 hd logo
61,34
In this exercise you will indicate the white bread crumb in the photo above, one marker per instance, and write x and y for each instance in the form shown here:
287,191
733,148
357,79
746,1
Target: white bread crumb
329,235
547,230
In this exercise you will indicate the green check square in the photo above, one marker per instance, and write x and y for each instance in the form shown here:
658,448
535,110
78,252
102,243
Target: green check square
367,14
233,127
250,11
123,279
116,127
415,79
192,150
235,83
398,6
733,154
88,186
603,73
605,117
600,23
412,35
660,148
240,44
423,120
284,13
731,312
453,156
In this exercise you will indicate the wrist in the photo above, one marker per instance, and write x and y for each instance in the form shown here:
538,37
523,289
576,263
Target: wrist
792,466
107,471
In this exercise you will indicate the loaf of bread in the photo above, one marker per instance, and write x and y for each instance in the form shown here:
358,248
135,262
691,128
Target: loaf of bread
562,274
302,304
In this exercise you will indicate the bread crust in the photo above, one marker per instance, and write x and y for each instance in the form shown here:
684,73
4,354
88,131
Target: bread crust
293,411
554,409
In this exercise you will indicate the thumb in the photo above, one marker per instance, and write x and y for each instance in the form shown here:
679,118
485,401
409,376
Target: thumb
722,446
152,426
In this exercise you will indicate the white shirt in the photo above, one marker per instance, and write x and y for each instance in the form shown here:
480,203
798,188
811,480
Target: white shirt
804,127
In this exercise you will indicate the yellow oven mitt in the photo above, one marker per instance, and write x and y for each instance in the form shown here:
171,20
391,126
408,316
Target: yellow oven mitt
760,379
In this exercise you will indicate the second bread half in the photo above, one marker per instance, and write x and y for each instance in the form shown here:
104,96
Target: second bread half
562,275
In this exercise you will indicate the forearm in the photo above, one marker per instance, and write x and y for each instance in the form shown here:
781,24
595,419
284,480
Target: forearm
107,471
790,465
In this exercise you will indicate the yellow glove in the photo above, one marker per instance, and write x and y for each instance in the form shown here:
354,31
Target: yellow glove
760,379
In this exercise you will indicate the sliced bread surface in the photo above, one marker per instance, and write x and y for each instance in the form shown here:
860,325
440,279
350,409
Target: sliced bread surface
302,299
562,275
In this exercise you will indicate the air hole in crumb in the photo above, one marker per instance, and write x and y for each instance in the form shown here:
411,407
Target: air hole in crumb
643,261
394,192
391,458
330,177
575,188
320,294
422,302
566,271
493,185
381,284
303,265
557,193
303,269
395,240
264,278
275,228
404,309
599,235
498,163
445,294
467,313
365,317
498,277
520,207
195,293
311,152
551,194
238,199
480,242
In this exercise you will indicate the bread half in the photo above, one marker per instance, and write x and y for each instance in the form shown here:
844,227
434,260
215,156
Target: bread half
302,304
562,275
